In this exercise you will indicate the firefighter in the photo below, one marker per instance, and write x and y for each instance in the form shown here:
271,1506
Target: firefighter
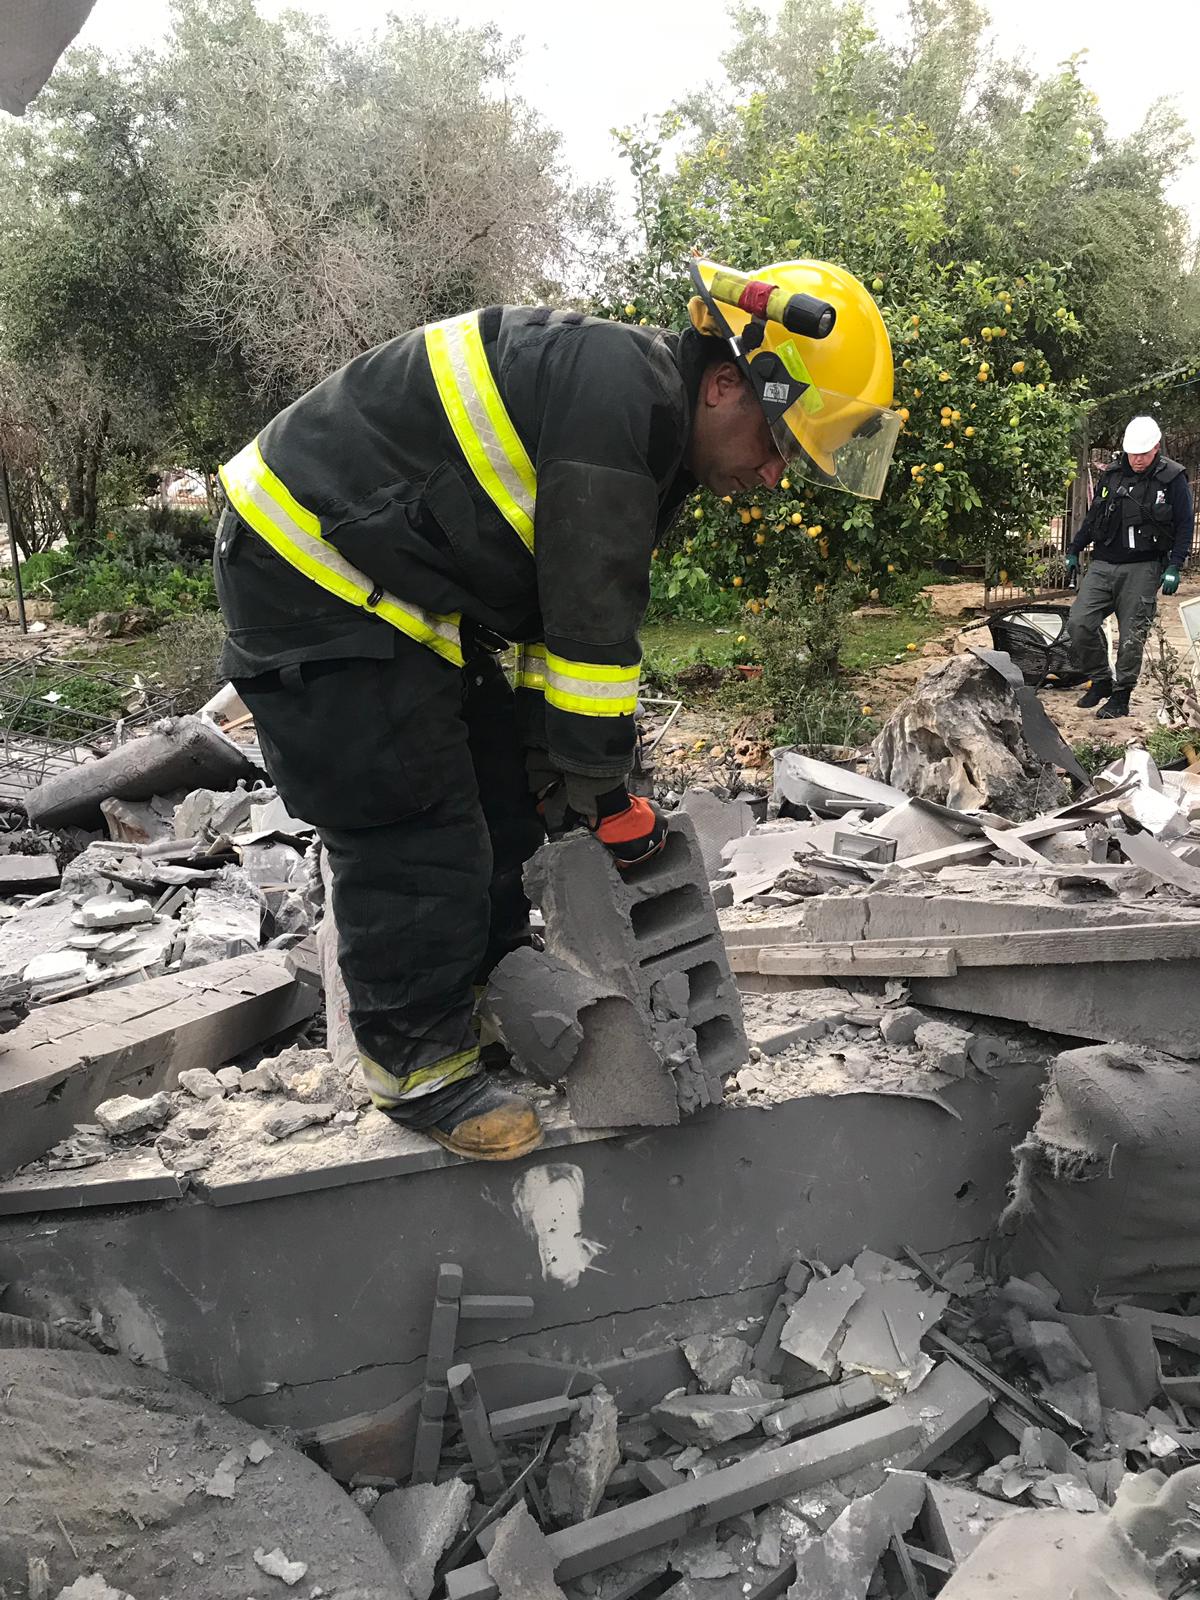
502,477
1140,527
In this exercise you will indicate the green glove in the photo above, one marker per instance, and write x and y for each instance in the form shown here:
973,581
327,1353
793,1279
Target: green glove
1072,561
1170,580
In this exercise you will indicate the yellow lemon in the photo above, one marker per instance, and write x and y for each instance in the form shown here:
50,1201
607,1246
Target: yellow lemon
630,310
910,647
944,377
756,513
970,432
738,582
1018,367
744,514
797,519
699,513
785,483
939,466
760,538
903,413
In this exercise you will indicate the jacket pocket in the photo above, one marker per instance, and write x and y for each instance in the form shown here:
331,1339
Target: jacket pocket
495,564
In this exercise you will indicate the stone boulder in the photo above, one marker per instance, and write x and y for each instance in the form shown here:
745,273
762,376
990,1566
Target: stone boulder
957,740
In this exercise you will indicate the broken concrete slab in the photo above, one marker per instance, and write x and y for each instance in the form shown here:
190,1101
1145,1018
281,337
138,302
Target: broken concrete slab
820,786
814,1327
710,1419
717,823
957,1519
139,821
201,1083
520,1561
820,1407
70,1055
113,911
645,1524
841,1565
885,1327
183,753
418,1525
20,874
577,1483
293,1116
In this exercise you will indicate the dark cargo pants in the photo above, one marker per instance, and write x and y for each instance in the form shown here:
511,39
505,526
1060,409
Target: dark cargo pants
1128,590
412,772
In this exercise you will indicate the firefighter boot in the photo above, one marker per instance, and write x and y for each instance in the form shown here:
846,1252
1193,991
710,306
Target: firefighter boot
1117,705
489,1124
1099,689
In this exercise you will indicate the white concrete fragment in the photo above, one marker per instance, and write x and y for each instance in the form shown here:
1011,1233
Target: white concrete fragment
107,911
201,1083
56,966
229,1077
276,1565
129,1114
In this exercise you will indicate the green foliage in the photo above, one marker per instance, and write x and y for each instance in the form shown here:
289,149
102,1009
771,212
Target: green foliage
798,638
185,654
157,563
1094,755
1168,746
985,211
81,703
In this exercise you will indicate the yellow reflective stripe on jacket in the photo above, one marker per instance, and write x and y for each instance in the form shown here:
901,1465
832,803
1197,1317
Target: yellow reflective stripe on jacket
530,670
266,504
590,689
482,426
388,1090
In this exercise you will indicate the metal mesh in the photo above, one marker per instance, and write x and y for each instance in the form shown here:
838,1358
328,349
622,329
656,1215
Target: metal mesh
55,714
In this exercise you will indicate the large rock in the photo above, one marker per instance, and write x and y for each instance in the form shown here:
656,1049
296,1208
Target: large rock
957,740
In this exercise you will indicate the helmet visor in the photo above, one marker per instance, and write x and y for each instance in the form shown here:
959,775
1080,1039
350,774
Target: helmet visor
838,442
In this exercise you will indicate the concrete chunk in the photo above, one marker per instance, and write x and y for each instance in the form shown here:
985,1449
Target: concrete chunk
899,1026
520,1560
293,1117
577,1483
418,1525
717,1361
201,1084
128,1114
225,919
710,1419
945,1048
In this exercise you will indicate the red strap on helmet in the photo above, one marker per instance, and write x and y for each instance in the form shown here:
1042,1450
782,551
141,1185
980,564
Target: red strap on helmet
754,297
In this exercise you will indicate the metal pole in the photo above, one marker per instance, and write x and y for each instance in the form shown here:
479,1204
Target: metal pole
6,519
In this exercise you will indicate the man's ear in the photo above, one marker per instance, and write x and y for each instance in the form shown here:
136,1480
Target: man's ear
721,380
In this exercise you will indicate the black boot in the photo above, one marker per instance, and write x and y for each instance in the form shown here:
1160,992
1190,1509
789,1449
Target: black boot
475,1117
1117,706
1099,689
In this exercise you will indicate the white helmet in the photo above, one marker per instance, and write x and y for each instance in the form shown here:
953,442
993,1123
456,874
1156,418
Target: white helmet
1142,434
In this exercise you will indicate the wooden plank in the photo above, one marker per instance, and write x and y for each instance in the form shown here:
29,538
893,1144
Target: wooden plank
979,849
1141,941
135,1041
873,958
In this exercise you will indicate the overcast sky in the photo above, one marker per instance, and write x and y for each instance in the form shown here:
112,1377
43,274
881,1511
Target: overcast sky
589,68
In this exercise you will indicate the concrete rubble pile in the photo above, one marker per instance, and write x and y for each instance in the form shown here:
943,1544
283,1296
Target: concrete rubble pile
875,1435
950,952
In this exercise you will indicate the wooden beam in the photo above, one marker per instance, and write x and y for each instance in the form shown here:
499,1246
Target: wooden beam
872,958
1040,947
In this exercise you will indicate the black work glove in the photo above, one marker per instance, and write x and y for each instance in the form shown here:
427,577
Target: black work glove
631,829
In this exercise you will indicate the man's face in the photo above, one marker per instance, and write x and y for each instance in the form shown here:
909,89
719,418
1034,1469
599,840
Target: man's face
731,448
1139,460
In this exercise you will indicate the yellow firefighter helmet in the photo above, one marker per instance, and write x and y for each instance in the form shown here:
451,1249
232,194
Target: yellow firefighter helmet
813,344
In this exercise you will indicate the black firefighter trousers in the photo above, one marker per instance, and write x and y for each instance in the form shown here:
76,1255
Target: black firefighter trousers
412,772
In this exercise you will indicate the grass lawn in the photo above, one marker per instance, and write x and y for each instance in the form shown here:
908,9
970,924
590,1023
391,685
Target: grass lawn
871,641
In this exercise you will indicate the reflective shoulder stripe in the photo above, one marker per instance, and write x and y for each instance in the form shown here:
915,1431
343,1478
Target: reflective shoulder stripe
265,503
481,425
590,689
530,670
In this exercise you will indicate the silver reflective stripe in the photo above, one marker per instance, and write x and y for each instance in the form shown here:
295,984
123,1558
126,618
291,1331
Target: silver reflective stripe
593,688
476,410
